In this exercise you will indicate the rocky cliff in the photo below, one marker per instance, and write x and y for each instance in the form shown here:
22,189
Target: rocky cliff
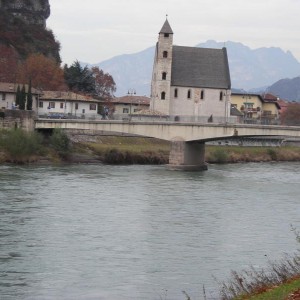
30,11
23,29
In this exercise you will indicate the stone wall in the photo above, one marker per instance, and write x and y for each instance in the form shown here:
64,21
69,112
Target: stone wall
17,119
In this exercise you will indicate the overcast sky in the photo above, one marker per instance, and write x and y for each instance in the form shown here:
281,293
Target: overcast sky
95,30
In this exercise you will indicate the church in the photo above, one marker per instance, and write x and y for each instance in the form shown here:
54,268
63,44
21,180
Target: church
190,83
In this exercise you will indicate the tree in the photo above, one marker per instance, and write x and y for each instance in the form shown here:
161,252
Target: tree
79,79
292,115
45,73
105,85
18,96
22,98
29,97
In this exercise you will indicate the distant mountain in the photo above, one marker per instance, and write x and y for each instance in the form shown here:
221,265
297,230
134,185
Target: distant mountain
131,71
288,89
249,68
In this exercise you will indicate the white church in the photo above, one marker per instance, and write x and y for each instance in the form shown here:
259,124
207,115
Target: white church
190,83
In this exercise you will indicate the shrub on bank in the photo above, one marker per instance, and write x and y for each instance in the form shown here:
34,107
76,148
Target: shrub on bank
60,142
220,155
116,157
20,146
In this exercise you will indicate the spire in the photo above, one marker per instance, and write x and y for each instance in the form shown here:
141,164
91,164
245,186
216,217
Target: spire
166,28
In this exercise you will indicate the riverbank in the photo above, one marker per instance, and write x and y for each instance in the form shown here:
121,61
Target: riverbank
131,150
127,150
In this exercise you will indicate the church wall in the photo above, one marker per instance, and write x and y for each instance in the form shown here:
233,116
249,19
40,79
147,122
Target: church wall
196,107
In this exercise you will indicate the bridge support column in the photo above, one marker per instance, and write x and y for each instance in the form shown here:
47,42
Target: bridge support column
187,156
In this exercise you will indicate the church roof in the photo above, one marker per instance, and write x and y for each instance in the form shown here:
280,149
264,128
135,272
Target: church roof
166,28
200,67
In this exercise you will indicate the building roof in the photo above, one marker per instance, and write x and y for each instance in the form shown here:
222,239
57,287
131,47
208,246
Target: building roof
66,96
235,112
143,100
166,28
270,98
6,87
149,113
200,67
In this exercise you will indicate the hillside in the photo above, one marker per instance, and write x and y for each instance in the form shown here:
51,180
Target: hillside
23,28
249,68
288,89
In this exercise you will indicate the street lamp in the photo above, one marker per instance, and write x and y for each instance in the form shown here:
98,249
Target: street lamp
130,93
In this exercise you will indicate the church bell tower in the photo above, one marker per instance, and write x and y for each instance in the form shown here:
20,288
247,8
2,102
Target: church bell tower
161,76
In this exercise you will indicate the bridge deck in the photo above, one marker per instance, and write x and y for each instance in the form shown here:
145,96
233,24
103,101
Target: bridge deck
172,131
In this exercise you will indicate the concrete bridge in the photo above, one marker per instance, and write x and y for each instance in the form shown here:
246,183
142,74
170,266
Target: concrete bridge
188,139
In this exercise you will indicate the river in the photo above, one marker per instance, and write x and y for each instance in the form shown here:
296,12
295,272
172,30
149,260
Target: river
140,232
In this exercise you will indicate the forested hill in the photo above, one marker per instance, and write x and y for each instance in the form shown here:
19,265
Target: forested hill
23,29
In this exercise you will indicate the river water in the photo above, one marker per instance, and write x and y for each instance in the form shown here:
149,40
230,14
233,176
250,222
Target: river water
140,232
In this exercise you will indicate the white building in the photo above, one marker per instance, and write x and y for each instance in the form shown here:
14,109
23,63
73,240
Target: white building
190,83
67,104
8,93
124,107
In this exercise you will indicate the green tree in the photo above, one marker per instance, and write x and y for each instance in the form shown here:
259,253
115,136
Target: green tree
22,98
18,96
29,97
79,79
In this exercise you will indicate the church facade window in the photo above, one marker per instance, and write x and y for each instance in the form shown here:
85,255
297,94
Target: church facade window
163,95
165,54
164,76
189,94
202,95
175,93
221,96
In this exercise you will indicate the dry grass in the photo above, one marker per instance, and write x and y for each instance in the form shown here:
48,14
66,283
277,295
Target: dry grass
236,154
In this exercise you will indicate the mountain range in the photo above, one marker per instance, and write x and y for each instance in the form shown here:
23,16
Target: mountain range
249,68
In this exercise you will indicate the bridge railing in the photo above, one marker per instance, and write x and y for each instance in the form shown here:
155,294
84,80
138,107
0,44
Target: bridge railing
183,119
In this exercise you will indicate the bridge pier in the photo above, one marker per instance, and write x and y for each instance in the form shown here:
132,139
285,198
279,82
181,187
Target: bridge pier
188,156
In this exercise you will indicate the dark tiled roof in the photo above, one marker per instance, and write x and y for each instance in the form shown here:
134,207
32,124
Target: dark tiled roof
68,96
200,67
166,28
132,99
7,87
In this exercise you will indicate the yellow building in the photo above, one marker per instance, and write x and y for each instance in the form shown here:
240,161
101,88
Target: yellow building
256,108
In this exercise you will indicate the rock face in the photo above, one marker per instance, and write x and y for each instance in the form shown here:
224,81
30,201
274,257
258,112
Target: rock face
30,11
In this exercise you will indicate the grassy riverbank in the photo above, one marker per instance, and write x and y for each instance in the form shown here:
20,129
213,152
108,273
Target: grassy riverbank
17,146
147,147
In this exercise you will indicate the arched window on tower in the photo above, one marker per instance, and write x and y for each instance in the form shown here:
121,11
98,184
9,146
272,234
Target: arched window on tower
165,54
166,35
189,94
175,93
163,96
202,95
164,76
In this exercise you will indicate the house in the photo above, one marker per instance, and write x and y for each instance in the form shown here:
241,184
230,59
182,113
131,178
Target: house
189,83
124,107
271,107
8,93
250,105
256,108
67,104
